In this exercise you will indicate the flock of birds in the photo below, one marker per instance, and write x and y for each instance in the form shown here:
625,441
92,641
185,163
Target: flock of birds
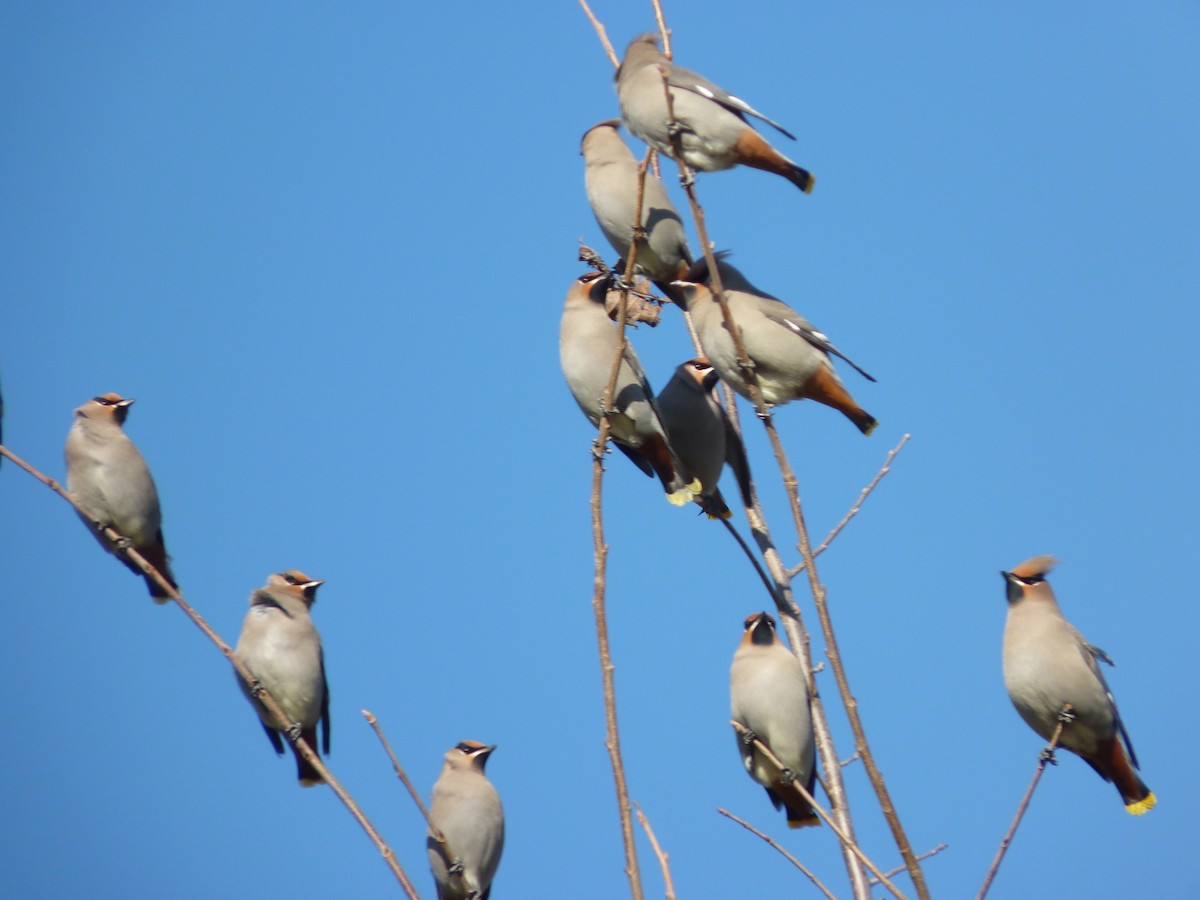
681,435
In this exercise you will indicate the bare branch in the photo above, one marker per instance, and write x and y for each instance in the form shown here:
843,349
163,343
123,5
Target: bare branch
1046,756
795,862
282,723
603,35
866,492
663,31
928,853
800,789
789,615
658,852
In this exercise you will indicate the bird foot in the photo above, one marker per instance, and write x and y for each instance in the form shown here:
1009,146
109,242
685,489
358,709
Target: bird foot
256,688
294,732
1047,756
456,867
1067,715
749,737
786,776
687,179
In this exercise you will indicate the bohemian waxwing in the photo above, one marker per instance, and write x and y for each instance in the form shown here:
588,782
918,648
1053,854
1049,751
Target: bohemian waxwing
611,178
714,132
701,434
466,809
109,478
282,648
587,344
769,696
791,357
1047,663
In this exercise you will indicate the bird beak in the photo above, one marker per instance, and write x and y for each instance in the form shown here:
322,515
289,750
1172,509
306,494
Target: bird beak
128,401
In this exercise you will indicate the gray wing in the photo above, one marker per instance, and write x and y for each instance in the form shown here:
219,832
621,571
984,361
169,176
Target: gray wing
325,724
735,458
817,339
686,79
1094,656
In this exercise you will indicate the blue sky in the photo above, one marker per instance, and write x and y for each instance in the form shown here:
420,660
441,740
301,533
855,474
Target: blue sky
326,250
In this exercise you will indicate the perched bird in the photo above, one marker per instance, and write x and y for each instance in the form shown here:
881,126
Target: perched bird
282,648
714,133
769,696
466,809
1047,663
108,477
791,358
611,178
587,344
701,434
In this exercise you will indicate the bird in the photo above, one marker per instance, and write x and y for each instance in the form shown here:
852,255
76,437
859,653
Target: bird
1047,665
466,809
769,696
713,131
611,179
281,647
107,476
701,434
588,343
791,358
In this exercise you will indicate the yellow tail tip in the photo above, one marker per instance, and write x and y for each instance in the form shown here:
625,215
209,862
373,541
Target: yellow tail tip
1141,807
803,823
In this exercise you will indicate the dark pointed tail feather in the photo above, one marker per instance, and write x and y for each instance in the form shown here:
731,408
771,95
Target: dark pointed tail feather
307,775
156,555
801,178
864,420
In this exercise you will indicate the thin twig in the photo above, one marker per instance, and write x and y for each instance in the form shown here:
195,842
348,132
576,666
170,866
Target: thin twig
600,552
794,784
663,31
282,723
791,486
928,853
587,11
1046,756
853,511
795,862
658,852
791,615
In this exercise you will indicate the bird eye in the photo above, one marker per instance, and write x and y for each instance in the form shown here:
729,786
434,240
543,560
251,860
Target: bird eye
1033,579
289,578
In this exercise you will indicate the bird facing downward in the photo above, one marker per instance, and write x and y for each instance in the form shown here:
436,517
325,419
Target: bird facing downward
713,131
1047,664
108,477
281,647
588,344
466,809
701,434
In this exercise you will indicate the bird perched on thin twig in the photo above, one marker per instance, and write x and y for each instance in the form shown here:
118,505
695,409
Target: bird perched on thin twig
588,345
466,809
769,696
281,647
108,477
712,127
791,358
1048,664
701,434
611,179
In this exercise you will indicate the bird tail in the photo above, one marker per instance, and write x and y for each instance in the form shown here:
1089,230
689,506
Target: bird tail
825,387
753,150
305,772
1112,762
156,555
